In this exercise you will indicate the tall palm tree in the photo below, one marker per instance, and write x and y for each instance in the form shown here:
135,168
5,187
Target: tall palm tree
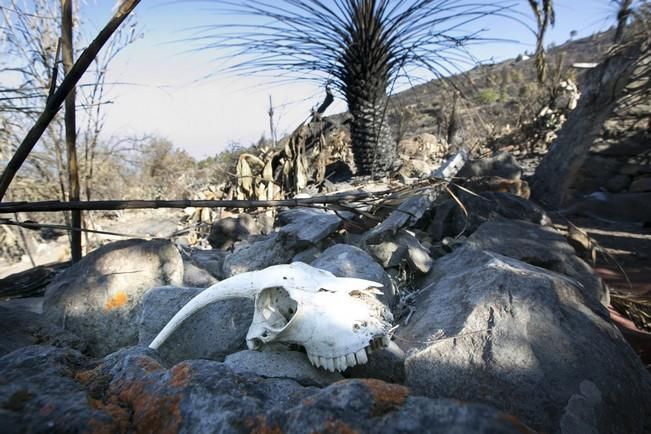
361,46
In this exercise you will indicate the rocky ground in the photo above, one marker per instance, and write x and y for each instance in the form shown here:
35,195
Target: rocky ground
495,315
500,324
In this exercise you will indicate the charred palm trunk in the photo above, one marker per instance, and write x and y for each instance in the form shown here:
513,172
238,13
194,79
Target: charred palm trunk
365,74
374,149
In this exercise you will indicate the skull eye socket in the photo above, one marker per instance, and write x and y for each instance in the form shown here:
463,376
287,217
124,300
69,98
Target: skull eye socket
276,307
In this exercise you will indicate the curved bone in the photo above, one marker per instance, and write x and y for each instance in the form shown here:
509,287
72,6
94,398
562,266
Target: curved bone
295,276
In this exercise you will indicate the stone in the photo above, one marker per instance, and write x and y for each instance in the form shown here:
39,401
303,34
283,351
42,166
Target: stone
421,168
418,256
21,328
276,248
281,364
39,392
225,232
543,247
211,261
618,207
409,212
44,389
388,253
309,225
344,260
635,169
386,364
99,298
212,333
195,276
308,255
496,330
450,220
618,183
502,164
373,406
641,185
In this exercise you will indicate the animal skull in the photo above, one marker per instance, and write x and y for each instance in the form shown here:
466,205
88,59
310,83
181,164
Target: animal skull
337,320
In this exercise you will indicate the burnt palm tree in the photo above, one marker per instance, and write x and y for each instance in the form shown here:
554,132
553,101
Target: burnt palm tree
360,46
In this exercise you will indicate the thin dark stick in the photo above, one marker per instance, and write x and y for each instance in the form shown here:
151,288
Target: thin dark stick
53,104
105,205
70,120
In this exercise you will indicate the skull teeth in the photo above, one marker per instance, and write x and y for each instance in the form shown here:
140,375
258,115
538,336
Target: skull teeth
342,363
361,356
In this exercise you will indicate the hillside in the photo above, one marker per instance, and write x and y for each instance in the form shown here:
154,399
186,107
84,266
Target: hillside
491,96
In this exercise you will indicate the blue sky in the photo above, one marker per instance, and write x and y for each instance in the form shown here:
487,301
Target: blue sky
204,115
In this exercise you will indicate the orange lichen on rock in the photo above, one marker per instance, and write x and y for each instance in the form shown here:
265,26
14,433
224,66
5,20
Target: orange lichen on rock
159,413
386,396
119,422
149,365
338,427
117,301
180,375
260,425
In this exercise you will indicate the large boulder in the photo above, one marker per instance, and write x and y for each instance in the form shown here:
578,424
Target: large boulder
39,393
344,260
214,332
543,247
493,329
99,298
43,389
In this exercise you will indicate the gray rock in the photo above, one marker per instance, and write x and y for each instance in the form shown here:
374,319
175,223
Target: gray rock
195,276
409,212
421,168
418,256
211,261
39,393
43,389
281,364
502,164
373,406
307,255
618,207
21,328
276,248
580,413
618,183
388,253
520,338
343,260
387,364
451,220
212,333
98,298
543,247
635,169
402,246
225,232
308,225
641,185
